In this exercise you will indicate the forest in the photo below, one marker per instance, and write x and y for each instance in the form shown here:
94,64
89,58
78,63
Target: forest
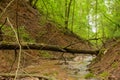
59,40
88,19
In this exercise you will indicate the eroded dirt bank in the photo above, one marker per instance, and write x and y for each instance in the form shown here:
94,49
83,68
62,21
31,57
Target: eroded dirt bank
37,62
107,65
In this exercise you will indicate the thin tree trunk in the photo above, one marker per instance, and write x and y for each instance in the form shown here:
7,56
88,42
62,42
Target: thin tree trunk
34,5
88,10
73,14
67,13
66,10
96,23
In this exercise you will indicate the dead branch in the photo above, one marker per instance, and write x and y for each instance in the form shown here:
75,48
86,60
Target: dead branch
24,75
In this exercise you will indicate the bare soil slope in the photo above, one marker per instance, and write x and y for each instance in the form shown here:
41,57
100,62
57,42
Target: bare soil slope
48,34
30,18
107,64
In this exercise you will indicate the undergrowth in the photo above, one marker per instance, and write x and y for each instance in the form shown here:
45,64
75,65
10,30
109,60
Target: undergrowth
24,36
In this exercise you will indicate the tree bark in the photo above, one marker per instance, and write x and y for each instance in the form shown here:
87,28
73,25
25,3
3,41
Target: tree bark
38,46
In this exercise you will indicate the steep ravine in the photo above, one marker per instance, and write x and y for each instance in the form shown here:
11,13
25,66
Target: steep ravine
33,61
107,64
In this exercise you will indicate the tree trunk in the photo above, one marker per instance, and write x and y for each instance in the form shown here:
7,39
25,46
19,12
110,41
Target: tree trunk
35,46
67,12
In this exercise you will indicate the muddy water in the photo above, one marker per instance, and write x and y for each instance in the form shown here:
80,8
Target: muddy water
78,66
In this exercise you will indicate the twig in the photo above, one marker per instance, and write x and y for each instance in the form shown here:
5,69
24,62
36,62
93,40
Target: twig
6,8
20,48
3,23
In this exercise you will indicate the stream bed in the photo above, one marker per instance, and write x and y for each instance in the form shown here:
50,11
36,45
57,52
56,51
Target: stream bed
78,67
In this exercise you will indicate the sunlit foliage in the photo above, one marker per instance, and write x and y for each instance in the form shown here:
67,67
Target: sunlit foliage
87,18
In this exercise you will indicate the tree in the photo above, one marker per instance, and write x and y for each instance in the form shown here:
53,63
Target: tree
86,18
67,12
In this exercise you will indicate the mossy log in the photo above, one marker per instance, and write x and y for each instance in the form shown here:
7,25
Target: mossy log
38,46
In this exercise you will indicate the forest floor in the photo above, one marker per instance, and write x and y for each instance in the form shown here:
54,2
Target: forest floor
42,31
106,65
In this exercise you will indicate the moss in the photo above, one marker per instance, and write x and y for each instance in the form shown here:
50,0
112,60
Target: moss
23,34
45,54
51,76
89,75
104,75
115,65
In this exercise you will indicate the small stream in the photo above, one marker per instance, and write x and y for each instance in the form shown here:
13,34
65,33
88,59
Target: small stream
78,67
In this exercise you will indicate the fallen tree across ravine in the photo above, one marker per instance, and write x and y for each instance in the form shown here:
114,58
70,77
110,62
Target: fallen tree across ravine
39,46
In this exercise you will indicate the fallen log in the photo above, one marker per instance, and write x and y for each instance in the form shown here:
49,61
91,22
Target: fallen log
12,75
38,46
